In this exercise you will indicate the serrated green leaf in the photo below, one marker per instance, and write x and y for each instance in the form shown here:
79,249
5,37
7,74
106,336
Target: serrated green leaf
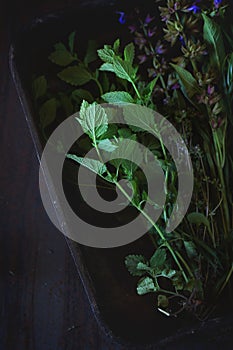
132,261
124,69
92,164
59,46
144,118
91,53
61,57
213,35
81,94
158,258
107,145
146,285
190,249
107,67
39,87
168,273
124,133
71,42
75,75
187,81
129,53
66,104
117,97
93,120
198,219
162,301
106,54
48,112
116,45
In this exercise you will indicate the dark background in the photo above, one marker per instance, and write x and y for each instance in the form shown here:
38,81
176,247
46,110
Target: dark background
42,301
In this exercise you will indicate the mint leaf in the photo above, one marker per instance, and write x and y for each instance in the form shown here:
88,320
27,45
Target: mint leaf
79,95
146,285
132,261
129,53
93,120
92,164
124,69
59,46
61,57
66,104
39,87
107,67
107,145
106,54
47,112
158,258
187,81
116,46
75,75
117,97
91,53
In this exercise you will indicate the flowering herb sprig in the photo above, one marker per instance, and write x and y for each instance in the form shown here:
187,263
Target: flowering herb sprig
180,64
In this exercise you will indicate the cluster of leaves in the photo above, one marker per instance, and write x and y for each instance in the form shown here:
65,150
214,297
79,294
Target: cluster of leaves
184,70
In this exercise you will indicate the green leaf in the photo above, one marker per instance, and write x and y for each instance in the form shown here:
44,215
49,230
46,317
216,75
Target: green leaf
213,35
198,219
168,273
124,133
93,120
187,80
117,97
158,258
106,54
145,119
107,145
66,104
75,75
107,67
61,57
190,249
59,46
48,112
124,69
91,53
79,95
162,301
116,46
146,285
132,261
92,164
71,42
39,87
129,53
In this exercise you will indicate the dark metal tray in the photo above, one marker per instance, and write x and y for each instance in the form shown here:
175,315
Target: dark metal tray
127,318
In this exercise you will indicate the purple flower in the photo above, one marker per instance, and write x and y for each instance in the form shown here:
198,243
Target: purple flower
121,18
151,32
148,19
181,38
217,3
142,59
194,8
132,28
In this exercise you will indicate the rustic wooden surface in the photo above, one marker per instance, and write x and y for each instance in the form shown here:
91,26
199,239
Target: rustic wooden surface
42,301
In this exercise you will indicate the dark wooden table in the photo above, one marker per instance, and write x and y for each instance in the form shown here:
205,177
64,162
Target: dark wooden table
43,303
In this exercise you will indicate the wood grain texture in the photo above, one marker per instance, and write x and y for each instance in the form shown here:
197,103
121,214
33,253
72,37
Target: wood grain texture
42,301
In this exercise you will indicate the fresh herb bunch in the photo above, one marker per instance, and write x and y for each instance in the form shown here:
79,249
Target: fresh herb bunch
182,67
